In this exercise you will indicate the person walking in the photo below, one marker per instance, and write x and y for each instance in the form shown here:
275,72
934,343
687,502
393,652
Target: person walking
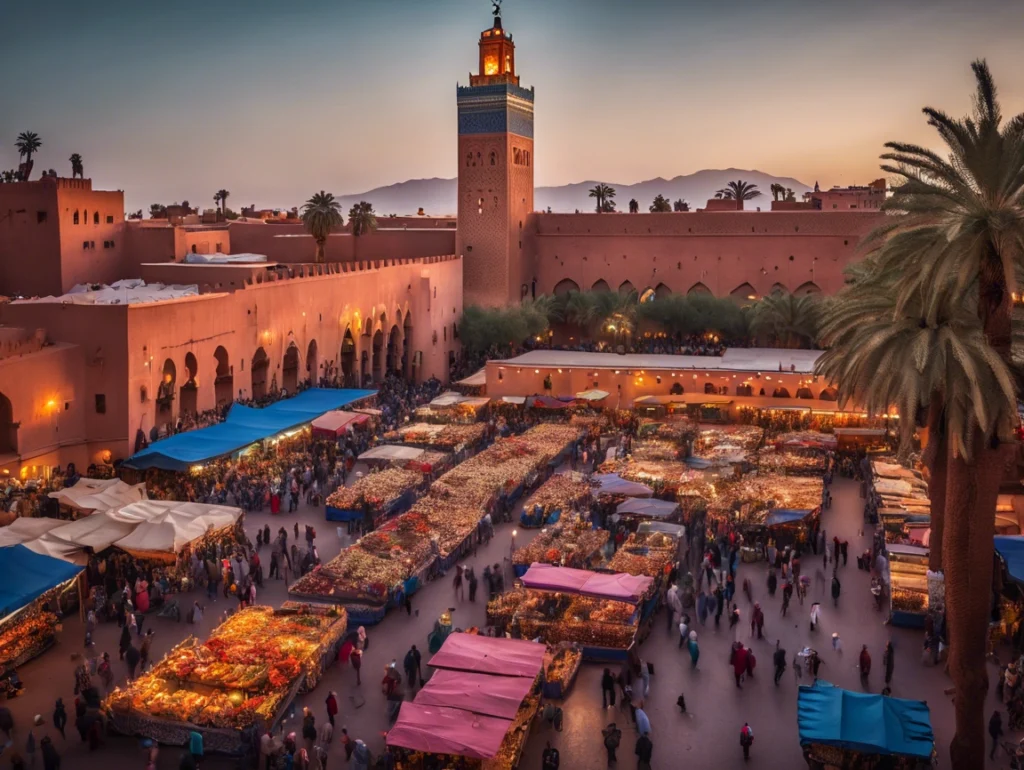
411,664
612,738
739,663
694,651
132,657
125,641
746,739
888,662
815,614
550,759
471,577
607,689
995,729
719,603
644,749
757,621
457,583
684,630
332,706
60,717
357,663
779,659
864,663
836,588
144,650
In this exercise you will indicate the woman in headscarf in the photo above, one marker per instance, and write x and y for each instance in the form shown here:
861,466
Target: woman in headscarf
694,650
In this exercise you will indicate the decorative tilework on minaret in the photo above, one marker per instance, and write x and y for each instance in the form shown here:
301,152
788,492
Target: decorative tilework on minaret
495,173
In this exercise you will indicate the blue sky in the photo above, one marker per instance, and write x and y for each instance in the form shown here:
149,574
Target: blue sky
275,100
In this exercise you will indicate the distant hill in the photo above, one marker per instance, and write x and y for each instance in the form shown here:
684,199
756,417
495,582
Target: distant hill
437,197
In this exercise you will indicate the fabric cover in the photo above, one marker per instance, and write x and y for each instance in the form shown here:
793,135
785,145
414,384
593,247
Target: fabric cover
24,528
494,696
99,494
394,452
336,422
437,730
784,516
652,508
613,484
619,586
26,575
490,655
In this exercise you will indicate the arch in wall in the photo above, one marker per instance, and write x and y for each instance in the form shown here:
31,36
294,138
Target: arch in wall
804,392
745,390
224,384
600,285
626,288
779,288
8,430
743,294
348,359
565,286
781,393
408,362
810,287
698,288
189,394
290,369
676,389
661,291
829,394
378,355
394,361
383,318
312,364
647,295
259,370
364,368
165,393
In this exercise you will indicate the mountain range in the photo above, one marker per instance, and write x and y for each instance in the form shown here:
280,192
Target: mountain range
437,197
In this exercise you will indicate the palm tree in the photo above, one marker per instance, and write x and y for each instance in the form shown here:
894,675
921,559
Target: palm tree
660,205
322,214
954,231
787,320
28,143
222,197
790,195
157,211
739,191
361,218
777,190
634,206
604,195
680,205
77,167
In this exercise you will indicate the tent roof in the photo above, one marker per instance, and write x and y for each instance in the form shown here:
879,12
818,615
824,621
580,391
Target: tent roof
24,528
48,545
98,532
475,380
99,494
438,730
392,452
490,655
494,696
337,420
655,509
514,399
784,516
619,586
167,526
613,484
1011,550
864,722
26,575
546,402
592,395
244,425
677,530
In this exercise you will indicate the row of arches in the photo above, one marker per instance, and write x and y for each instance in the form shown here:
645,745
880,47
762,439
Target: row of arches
748,389
743,292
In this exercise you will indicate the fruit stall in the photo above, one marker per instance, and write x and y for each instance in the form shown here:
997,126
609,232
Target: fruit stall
570,543
559,494
384,494
908,585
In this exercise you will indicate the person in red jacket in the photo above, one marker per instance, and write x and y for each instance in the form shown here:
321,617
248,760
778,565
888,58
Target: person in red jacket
332,706
865,666
739,663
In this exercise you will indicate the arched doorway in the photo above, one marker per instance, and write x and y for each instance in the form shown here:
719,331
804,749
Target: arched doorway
258,370
829,394
348,359
781,393
290,369
699,288
407,363
224,384
312,365
165,393
378,356
743,294
190,388
626,288
364,368
600,285
8,430
565,286
807,288
394,351
661,291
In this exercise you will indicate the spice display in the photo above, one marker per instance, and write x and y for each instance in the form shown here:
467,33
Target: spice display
26,635
785,463
758,494
559,495
909,600
564,666
446,438
648,554
572,543
378,490
556,617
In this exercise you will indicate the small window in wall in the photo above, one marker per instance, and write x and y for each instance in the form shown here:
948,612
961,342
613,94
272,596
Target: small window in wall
220,248
85,244
75,220
101,403
95,217
40,217
494,157
193,248
110,219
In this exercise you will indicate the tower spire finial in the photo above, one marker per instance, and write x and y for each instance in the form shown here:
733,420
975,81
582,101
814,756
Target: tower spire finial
496,8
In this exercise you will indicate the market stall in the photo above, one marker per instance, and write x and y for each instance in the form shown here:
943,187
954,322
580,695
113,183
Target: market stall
560,493
242,678
378,496
24,529
844,730
728,444
164,528
560,669
647,553
570,543
613,485
30,589
639,508
464,440
91,495
454,408
908,585
337,423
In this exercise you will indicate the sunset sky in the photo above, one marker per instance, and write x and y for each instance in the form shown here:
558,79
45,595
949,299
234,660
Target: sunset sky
276,100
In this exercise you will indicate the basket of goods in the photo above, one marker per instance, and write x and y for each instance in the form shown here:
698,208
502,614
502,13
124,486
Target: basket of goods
560,673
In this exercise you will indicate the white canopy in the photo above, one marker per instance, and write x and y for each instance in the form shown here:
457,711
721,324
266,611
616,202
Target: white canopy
24,529
48,545
131,291
98,532
168,526
393,452
592,395
475,380
99,494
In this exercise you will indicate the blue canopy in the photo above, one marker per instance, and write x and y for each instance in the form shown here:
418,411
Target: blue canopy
1011,550
864,722
26,575
244,425
784,516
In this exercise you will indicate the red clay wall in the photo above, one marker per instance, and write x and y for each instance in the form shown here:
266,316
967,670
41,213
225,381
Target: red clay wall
98,263
29,249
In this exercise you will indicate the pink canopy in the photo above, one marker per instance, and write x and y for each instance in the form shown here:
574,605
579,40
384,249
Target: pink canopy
335,423
620,586
489,655
437,730
494,696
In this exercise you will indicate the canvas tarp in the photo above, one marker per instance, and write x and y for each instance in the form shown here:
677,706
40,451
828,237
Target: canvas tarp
650,507
26,575
336,422
592,395
437,730
676,530
167,527
244,426
781,516
98,532
48,545
490,655
99,494
493,696
619,586
392,452
864,722
25,528
613,484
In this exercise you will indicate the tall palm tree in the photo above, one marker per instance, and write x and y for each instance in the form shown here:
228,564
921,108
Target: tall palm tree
660,205
680,205
790,195
955,228
634,206
28,143
362,219
77,167
787,320
605,195
776,190
739,191
222,196
322,214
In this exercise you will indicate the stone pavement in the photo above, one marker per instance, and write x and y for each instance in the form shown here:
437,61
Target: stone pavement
708,735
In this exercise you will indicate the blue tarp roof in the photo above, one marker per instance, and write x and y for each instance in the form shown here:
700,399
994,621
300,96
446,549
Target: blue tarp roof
26,575
1011,550
244,425
865,722
784,516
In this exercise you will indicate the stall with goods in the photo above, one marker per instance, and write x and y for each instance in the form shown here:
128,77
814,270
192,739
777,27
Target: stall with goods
612,485
242,678
461,439
677,431
730,444
379,495
31,585
648,553
644,509
662,476
570,543
751,497
337,423
560,669
790,462
164,528
852,730
897,488
860,439
560,494
592,425
454,408
908,585
795,441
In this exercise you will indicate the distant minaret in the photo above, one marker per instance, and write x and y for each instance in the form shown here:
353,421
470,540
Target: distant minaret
495,172
816,188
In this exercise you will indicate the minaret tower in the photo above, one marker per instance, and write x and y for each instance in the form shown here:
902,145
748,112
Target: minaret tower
495,172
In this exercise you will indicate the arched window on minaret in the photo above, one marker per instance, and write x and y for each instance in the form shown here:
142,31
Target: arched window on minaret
494,157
